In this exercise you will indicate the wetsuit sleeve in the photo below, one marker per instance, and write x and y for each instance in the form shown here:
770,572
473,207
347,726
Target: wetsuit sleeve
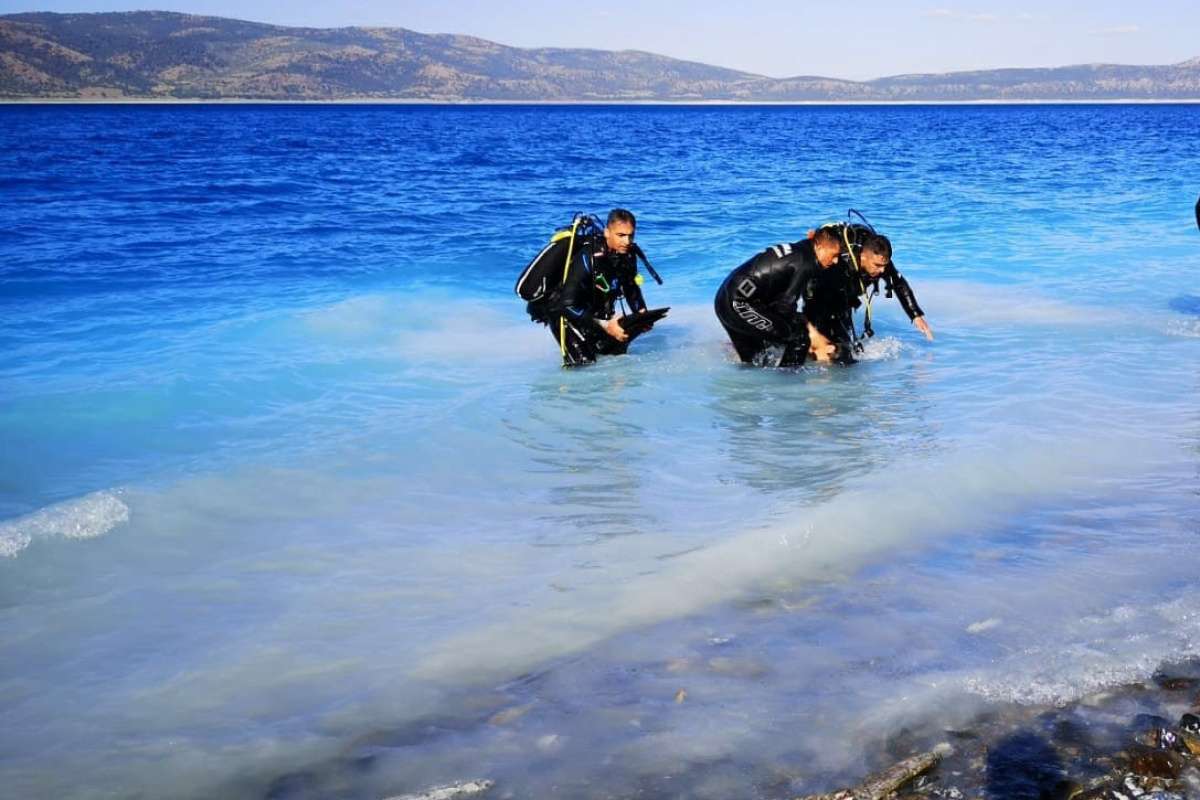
904,293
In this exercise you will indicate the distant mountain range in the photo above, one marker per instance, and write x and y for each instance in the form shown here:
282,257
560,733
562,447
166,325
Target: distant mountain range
163,55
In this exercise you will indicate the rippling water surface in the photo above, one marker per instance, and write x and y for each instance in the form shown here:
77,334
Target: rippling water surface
295,502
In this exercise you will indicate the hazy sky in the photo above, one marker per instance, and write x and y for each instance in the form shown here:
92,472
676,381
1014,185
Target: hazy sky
779,38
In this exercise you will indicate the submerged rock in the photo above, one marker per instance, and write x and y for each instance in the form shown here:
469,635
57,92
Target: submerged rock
1188,742
1175,683
1154,762
883,784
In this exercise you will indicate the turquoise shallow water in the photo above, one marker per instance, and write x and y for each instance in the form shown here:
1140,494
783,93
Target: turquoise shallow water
295,502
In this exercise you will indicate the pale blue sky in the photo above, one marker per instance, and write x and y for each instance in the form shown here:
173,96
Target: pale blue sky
860,40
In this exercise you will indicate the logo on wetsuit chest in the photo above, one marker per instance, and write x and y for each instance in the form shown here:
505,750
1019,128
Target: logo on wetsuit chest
746,288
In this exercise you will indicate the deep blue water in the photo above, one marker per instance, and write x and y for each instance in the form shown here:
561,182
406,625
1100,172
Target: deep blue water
289,481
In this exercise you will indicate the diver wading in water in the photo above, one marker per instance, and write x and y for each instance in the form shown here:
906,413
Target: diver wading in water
865,261
576,283
757,302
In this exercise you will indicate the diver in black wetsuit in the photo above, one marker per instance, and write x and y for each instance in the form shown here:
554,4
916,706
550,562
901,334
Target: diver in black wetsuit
757,302
865,261
581,312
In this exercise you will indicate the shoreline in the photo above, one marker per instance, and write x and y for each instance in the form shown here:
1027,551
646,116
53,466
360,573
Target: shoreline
1139,739
235,101
1124,741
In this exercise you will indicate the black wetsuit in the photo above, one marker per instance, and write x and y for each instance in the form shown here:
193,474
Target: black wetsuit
839,290
757,302
594,284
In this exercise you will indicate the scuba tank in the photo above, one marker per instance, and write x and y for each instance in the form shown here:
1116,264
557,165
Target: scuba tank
543,275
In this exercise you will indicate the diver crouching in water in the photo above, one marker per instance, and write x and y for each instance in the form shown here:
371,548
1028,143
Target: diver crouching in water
865,262
574,285
757,302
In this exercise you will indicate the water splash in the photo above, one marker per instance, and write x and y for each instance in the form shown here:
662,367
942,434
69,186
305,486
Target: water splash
82,518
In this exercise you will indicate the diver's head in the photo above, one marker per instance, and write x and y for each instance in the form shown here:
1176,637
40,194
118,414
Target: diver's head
619,231
827,246
876,255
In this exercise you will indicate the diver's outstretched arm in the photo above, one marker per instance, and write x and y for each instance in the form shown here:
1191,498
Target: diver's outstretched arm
908,300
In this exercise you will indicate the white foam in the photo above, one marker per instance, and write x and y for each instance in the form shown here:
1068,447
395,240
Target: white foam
983,625
885,348
1077,655
1187,328
82,518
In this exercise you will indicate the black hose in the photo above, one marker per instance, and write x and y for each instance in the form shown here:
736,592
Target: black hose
637,251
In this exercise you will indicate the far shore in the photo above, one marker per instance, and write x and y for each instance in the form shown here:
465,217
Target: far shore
18,101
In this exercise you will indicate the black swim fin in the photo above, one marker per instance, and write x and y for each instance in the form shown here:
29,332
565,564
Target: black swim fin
639,323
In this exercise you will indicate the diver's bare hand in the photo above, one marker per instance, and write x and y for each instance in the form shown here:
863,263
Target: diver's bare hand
923,327
613,328
820,348
823,353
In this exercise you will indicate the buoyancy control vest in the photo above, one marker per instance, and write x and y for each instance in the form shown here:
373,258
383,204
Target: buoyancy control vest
576,275
547,272
846,288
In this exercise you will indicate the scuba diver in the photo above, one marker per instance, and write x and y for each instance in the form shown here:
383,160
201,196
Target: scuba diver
575,284
756,303
865,260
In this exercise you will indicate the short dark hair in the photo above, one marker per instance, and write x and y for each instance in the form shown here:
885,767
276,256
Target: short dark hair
621,215
827,235
878,244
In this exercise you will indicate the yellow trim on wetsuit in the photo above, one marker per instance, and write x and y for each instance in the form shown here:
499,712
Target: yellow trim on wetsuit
862,287
562,318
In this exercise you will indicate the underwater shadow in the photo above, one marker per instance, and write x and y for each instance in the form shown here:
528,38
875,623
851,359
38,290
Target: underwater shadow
1025,766
1185,304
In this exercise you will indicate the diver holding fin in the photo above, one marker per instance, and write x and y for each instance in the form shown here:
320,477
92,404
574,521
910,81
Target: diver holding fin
639,322
576,282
